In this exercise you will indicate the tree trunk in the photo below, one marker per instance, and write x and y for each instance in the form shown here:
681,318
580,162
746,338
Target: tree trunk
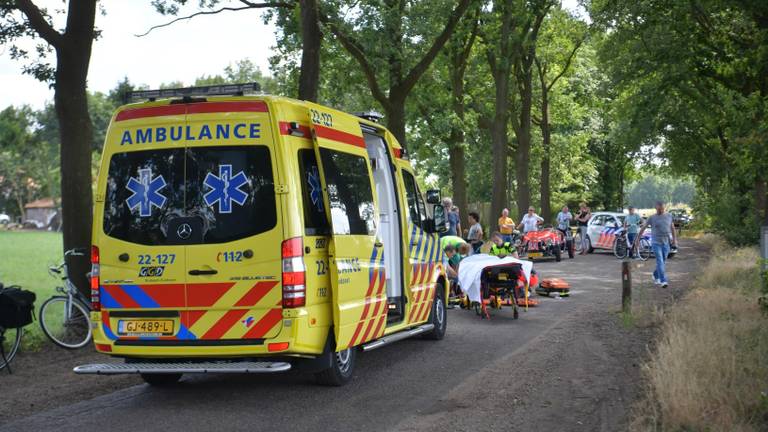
499,143
311,37
761,200
76,133
523,153
395,117
546,209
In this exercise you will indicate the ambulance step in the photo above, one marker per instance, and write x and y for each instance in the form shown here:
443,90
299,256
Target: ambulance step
182,367
405,334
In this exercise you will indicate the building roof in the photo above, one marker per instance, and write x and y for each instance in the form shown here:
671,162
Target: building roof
41,203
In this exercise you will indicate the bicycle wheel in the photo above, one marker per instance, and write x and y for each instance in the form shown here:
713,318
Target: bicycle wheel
644,250
11,341
620,248
577,242
66,322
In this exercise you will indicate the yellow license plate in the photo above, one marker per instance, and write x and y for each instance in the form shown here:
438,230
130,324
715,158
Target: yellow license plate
535,254
502,276
131,327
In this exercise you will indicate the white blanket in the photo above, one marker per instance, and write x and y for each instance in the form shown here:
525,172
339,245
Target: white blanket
472,267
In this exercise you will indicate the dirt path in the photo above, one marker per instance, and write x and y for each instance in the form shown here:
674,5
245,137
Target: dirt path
569,364
582,375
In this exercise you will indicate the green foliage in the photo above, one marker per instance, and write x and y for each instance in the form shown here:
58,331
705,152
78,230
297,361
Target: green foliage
650,188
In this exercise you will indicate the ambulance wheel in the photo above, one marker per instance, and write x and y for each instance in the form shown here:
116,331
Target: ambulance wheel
438,316
558,254
571,249
161,379
342,367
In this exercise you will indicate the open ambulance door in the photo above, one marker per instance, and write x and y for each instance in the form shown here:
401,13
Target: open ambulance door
356,254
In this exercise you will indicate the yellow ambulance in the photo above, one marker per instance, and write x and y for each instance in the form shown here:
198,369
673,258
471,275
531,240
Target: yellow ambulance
254,234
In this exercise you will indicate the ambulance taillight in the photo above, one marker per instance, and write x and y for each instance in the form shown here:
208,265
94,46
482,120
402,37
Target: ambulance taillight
294,288
95,279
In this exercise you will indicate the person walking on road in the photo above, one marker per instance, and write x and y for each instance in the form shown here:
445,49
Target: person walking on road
506,226
583,220
662,229
531,221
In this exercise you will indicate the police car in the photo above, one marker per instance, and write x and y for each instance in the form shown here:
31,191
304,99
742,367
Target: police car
604,228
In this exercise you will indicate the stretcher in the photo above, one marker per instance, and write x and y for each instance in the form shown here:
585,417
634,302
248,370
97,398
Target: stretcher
489,282
554,285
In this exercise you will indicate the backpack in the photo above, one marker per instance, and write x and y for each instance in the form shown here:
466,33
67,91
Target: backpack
16,307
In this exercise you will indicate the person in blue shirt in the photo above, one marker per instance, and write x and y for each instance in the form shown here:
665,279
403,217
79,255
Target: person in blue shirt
454,225
632,224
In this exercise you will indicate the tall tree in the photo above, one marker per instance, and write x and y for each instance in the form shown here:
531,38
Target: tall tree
528,20
562,37
73,54
497,38
380,39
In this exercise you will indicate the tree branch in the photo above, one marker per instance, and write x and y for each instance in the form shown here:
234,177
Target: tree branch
38,23
418,70
567,64
356,51
248,5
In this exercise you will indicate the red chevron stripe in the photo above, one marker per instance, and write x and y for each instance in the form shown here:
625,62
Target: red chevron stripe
422,305
206,294
414,272
368,330
265,324
428,303
256,293
120,296
379,332
356,333
166,295
224,324
193,316
415,304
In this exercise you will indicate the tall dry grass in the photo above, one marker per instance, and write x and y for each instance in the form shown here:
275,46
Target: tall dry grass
709,370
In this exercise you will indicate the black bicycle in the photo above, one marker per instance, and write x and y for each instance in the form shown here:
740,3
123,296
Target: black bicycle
16,306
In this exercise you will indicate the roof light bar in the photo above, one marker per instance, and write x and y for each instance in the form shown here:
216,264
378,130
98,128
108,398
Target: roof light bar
373,116
212,90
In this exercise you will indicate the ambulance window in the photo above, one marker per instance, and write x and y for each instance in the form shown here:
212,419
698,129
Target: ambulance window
349,193
414,200
315,222
231,189
144,190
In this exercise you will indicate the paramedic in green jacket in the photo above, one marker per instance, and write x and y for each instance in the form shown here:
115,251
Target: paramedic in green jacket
500,248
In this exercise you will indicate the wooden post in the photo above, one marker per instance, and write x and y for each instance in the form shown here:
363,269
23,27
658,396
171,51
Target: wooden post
626,287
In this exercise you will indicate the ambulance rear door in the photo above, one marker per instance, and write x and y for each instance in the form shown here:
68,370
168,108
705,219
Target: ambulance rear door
356,255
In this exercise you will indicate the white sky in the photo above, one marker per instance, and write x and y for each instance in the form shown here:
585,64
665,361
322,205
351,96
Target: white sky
184,51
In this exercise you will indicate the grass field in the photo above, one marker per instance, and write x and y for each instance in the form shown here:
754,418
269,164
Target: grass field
24,260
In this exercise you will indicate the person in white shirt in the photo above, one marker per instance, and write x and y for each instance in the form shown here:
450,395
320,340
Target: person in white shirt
530,221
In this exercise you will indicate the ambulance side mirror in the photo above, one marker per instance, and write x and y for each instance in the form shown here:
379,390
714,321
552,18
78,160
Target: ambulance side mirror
438,213
433,196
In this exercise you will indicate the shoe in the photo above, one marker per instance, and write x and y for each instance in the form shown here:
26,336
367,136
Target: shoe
664,285
656,282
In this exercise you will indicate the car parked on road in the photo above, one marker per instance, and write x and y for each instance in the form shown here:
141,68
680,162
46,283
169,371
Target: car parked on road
603,229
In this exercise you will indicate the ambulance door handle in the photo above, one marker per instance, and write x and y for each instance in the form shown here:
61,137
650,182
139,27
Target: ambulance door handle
378,244
195,272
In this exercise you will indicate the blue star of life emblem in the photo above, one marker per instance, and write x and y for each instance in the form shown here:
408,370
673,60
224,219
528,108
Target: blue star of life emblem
313,178
146,193
225,188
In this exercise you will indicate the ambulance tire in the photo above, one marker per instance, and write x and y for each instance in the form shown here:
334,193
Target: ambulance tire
341,370
438,315
161,379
